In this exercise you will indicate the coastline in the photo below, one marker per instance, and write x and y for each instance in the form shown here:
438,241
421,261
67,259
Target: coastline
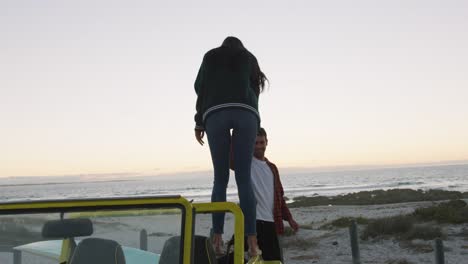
319,240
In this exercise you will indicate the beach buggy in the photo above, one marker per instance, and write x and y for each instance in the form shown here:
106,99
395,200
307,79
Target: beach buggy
138,230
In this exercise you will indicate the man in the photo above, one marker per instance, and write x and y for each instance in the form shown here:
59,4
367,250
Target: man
271,206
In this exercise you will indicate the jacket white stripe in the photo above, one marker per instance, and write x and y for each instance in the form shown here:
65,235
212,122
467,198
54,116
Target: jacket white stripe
216,107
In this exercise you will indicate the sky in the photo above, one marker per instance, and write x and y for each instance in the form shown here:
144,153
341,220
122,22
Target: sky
106,87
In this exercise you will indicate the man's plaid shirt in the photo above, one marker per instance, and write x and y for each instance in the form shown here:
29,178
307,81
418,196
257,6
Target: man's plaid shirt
280,209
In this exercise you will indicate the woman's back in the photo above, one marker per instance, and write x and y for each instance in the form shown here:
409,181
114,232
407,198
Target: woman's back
227,73
225,77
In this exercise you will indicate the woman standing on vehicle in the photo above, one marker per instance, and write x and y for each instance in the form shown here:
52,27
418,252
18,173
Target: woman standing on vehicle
228,85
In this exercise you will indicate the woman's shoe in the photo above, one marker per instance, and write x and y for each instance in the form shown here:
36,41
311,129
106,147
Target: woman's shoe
255,257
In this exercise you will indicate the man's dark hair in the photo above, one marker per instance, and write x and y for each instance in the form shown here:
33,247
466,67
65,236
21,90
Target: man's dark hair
262,133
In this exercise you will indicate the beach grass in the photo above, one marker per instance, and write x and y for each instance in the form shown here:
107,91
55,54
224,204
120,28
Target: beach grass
398,261
345,222
402,228
378,197
452,212
388,226
424,223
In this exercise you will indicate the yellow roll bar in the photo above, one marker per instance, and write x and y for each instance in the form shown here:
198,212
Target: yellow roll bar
219,207
51,206
189,209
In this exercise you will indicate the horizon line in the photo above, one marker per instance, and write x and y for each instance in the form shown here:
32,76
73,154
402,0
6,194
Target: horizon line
342,167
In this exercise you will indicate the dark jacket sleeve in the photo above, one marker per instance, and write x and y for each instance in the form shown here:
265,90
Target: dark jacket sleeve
198,88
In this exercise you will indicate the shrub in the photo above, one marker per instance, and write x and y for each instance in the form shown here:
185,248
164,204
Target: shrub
345,222
379,197
453,212
402,227
396,225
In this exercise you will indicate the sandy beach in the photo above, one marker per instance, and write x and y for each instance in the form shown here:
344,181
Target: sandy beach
314,244
333,246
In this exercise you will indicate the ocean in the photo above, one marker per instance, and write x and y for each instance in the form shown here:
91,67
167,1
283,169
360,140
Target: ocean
197,186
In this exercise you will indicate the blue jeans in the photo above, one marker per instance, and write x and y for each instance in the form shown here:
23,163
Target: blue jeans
244,125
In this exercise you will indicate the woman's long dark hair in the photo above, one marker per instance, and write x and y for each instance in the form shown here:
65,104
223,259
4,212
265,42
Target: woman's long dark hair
233,42
257,78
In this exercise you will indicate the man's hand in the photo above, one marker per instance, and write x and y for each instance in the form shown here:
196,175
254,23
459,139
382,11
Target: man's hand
199,134
293,225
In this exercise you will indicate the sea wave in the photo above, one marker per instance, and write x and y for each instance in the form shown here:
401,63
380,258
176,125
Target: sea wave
199,189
